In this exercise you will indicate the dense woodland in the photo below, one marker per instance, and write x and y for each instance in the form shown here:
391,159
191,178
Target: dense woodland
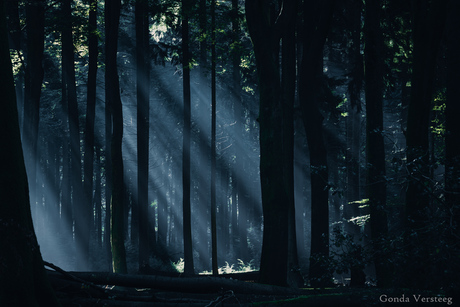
310,143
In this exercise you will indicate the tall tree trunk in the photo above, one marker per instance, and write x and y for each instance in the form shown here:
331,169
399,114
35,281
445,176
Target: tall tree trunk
16,43
112,15
376,182
428,24
428,27
78,206
35,30
108,177
215,269
452,118
288,83
353,120
261,20
23,280
143,114
87,204
317,19
187,222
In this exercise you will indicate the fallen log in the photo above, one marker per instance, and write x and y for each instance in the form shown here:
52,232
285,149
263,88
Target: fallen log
196,284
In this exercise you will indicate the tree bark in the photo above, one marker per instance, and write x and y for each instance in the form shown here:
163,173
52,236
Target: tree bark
199,284
187,223
112,15
376,181
143,119
317,19
428,28
452,118
288,84
35,30
215,269
23,280
261,20
88,163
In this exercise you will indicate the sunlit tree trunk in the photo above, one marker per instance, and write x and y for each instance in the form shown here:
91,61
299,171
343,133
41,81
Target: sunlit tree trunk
376,181
87,204
112,15
261,20
317,18
23,280
187,223
35,18
143,112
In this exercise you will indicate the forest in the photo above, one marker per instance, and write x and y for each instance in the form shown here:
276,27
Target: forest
302,152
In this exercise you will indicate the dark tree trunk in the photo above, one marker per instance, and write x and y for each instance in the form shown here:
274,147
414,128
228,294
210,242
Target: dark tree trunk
428,27
143,112
317,18
87,205
242,198
376,181
261,16
353,121
213,142
16,43
288,83
187,223
23,280
452,118
108,177
35,18
112,15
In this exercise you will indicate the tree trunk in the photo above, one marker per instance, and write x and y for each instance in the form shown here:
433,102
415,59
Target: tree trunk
427,33
23,280
317,19
87,204
376,181
112,15
452,119
187,223
260,17
35,17
213,142
143,114
288,83
428,26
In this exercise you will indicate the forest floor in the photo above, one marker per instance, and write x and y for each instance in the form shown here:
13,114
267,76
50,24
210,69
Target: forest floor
109,289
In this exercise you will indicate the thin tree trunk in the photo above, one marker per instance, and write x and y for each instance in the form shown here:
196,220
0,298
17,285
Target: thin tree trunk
87,204
35,30
112,15
143,112
452,119
215,269
187,223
